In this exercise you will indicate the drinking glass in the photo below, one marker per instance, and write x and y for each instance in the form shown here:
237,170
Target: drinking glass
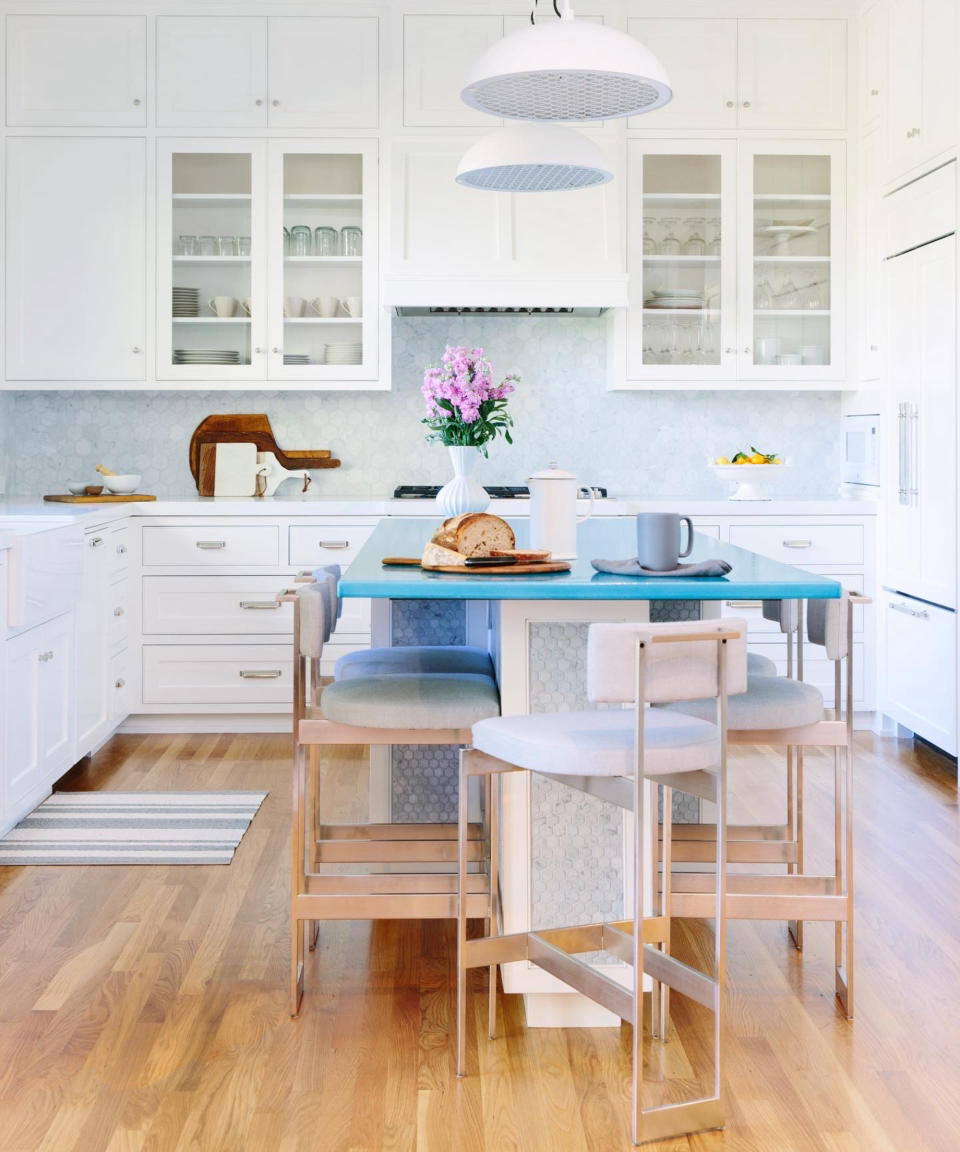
187,246
286,241
351,240
669,245
649,244
763,296
209,246
713,248
301,240
326,242
695,244
227,245
787,294
812,296
243,246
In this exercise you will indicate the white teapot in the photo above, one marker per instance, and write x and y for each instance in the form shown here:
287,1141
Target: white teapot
553,512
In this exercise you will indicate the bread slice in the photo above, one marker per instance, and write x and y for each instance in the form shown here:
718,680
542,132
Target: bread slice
436,554
524,555
479,533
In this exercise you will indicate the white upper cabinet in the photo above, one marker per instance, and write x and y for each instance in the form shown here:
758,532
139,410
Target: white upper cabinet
700,57
211,71
277,72
324,72
76,71
873,64
438,51
76,253
921,108
793,74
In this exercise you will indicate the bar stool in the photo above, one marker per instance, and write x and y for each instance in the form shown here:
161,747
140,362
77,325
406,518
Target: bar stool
611,754
780,711
409,708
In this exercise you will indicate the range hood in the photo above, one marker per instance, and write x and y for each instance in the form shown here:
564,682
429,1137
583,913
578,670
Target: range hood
438,296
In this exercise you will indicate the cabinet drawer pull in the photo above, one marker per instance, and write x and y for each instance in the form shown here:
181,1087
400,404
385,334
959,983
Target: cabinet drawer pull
119,683
797,543
121,549
744,603
262,605
118,611
333,543
43,657
96,542
255,674
211,544
900,606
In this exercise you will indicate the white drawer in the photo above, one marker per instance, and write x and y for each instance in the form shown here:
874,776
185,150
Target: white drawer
118,688
118,611
921,668
218,674
217,605
314,544
802,544
119,542
209,546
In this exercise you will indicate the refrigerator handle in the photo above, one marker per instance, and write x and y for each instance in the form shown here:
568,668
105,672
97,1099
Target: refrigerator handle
901,454
914,453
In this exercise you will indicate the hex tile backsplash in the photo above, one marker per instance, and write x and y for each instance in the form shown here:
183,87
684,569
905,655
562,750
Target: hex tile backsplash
636,443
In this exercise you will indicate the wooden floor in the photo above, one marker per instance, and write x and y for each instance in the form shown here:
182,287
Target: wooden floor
144,1009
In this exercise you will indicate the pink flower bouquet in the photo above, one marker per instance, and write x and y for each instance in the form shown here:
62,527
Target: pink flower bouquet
464,407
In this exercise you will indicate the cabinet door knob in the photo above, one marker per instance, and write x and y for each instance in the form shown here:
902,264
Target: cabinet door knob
729,103
874,347
119,683
746,103
259,103
121,549
258,351
136,103
135,350
277,351
118,611
874,91
747,349
275,103
730,351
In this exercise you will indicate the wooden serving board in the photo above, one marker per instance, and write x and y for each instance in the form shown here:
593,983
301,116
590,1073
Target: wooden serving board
541,569
107,498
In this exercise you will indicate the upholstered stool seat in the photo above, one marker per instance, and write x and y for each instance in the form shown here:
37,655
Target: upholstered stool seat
758,665
420,658
769,702
600,743
442,700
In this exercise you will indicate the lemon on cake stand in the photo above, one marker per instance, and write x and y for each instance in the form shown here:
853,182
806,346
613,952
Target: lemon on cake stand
749,473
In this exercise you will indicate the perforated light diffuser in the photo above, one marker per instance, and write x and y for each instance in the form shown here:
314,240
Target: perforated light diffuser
567,70
533,158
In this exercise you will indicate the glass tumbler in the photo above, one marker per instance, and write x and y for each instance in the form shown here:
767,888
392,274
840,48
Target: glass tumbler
713,247
243,246
301,240
695,245
228,245
286,241
209,246
351,240
187,246
649,244
326,242
669,245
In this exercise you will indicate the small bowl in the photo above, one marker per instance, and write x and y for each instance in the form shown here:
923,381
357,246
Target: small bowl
76,487
121,485
93,489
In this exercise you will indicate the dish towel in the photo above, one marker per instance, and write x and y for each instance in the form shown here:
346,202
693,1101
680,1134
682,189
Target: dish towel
635,568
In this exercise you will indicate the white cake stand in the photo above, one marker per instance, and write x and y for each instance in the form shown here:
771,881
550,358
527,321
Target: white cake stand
748,478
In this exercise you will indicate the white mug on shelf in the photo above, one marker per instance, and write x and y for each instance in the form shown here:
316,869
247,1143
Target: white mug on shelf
247,305
294,306
353,306
223,306
325,306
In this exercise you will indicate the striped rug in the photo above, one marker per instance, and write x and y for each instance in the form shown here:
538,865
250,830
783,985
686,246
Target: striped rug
132,828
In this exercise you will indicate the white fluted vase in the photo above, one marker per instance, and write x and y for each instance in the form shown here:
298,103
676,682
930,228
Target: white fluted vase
464,493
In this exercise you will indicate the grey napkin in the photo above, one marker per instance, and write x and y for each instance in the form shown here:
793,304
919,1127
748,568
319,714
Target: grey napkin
634,568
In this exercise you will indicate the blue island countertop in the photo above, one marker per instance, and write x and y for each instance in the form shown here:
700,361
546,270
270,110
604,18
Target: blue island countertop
752,577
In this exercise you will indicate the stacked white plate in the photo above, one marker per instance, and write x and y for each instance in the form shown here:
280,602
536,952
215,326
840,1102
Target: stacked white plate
344,353
676,298
205,356
186,301
295,358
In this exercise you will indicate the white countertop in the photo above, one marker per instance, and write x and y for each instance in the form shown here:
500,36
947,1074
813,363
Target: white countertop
19,509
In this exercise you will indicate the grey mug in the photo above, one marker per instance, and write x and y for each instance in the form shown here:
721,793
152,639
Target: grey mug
658,540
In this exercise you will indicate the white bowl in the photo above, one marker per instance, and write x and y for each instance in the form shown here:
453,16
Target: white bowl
748,478
76,487
121,485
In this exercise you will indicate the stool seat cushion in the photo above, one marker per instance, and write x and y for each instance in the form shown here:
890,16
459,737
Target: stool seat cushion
600,743
408,701
769,702
419,658
757,665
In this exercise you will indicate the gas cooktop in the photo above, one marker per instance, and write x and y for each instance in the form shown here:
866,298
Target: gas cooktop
494,491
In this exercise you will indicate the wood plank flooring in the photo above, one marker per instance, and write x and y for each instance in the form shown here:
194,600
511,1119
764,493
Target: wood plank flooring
144,1009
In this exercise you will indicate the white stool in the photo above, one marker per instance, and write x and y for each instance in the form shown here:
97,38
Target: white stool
611,754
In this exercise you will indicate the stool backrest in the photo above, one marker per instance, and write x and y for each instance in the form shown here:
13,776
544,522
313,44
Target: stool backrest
676,669
827,625
336,572
313,601
786,613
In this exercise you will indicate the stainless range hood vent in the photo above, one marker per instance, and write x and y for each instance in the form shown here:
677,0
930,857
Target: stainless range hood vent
479,310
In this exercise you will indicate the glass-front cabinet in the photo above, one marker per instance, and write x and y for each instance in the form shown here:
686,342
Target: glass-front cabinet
267,263
735,265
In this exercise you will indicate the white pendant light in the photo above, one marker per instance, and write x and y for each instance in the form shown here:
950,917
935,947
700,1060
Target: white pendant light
533,158
567,69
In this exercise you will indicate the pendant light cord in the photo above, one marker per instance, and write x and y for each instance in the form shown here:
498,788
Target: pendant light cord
533,11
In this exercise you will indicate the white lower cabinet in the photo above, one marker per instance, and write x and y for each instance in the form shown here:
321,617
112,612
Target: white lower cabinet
920,683
218,674
41,714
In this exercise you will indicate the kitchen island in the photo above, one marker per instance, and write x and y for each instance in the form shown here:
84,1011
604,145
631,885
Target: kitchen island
535,627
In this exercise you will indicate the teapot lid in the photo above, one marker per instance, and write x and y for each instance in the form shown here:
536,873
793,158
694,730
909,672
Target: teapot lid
552,472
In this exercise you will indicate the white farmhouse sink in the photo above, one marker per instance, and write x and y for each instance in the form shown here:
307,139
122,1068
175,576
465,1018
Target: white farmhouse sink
45,564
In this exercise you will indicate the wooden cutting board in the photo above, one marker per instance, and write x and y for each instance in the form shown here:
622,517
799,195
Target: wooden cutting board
541,569
107,498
